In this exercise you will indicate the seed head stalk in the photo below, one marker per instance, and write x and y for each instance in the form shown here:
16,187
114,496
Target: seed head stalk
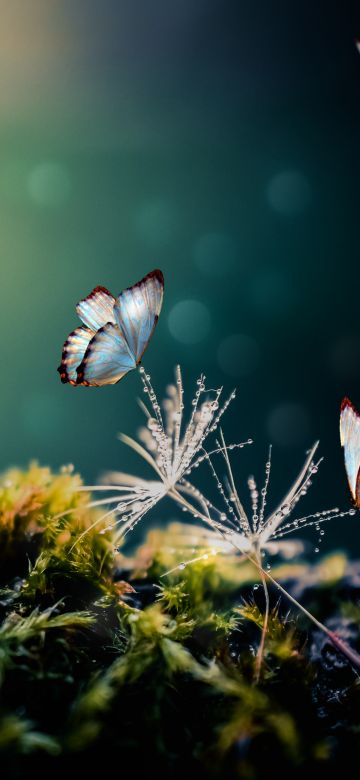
340,645
260,652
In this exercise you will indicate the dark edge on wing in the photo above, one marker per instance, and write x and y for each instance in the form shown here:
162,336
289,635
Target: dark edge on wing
155,273
81,368
97,289
64,376
346,403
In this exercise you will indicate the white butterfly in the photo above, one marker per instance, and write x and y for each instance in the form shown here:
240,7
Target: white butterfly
115,333
350,440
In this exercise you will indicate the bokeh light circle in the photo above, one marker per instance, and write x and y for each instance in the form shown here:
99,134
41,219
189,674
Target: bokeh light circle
215,253
49,184
238,355
189,321
288,425
289,192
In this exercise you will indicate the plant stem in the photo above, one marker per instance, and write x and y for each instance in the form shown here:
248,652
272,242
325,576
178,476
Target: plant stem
344,648
260,652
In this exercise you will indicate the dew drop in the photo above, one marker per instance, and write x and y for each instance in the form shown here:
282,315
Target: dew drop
316,549
352,511
182,566
255,587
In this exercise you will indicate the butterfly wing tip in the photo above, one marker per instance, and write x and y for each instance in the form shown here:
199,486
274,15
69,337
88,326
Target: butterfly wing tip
347,404
98,289
157,274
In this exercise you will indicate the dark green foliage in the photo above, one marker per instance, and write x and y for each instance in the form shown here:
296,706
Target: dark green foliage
100,655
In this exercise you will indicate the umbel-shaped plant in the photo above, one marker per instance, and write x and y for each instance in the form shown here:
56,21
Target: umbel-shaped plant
174,451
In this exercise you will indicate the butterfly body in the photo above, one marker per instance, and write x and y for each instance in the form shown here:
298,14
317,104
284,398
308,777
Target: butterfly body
114,335
350,440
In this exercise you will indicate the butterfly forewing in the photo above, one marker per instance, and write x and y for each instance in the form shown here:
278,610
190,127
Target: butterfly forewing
107,358
137,311
97,309
350,440
73,352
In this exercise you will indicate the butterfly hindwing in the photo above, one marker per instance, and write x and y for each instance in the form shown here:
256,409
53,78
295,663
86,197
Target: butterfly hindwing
137,311
350,440
73,352
97,308
107,358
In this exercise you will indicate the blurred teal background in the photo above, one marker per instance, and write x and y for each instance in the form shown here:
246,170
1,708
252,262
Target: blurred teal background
218,141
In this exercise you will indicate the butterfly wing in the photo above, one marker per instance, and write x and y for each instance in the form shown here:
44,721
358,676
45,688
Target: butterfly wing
107,358
73,352
350,440
137,311
97,309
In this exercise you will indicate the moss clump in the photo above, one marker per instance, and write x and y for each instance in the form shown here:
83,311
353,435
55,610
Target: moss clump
102,655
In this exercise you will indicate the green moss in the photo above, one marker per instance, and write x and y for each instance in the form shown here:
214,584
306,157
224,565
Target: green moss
100,652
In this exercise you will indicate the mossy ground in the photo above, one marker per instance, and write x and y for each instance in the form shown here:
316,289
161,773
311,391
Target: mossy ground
103,658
